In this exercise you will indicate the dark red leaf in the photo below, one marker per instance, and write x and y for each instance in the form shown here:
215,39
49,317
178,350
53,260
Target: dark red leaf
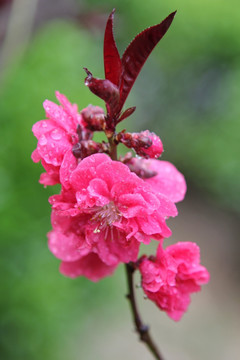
137,53
127,113
112,61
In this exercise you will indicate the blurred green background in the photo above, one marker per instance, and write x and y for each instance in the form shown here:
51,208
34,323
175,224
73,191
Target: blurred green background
188,93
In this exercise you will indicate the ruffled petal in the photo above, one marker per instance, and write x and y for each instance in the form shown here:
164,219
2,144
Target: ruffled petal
89,266
168,181
67,247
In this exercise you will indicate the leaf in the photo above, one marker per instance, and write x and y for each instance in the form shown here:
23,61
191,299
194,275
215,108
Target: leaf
137,53
112,61
127,113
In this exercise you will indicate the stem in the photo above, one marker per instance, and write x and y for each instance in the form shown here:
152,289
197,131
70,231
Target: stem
113,149
142,329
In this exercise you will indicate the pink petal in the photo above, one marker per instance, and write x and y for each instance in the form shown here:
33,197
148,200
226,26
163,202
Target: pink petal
67,105
70,109
43,126
69,164
53,145
67,248
168,181
89,266
186,252
113,172
98,188
56,113
47,179
35,156
86,170
98,241
133,205
154,225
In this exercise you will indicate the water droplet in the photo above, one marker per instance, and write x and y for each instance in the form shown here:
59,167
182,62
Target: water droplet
56,134
42,140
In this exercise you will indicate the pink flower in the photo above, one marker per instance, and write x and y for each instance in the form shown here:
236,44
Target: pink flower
172,276
162,176
57,136
107,210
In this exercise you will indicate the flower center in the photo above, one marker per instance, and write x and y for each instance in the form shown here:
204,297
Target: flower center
105,216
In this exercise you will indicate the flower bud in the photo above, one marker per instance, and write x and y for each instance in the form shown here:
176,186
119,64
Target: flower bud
94,118
152,151
145,143
86,148
104,89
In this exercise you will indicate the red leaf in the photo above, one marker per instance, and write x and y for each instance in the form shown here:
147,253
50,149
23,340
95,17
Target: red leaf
112,61
137,53
127,113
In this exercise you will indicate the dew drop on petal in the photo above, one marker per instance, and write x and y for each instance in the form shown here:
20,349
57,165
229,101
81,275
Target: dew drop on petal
42,140
56,134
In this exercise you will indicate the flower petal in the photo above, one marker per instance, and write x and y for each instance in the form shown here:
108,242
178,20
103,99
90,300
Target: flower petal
168,181
89,266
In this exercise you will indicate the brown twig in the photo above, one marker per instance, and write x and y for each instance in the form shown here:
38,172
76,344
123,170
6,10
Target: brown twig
142,329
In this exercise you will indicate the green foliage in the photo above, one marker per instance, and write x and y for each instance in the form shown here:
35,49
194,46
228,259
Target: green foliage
39,304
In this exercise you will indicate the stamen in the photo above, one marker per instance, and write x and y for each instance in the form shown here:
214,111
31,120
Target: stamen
105,216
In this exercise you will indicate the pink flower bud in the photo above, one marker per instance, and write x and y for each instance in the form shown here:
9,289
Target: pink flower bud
152,151
145,143
93,118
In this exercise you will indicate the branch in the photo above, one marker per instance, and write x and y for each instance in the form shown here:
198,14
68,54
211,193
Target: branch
142,329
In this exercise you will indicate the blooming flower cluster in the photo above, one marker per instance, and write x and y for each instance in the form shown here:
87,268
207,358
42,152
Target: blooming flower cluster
108,206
